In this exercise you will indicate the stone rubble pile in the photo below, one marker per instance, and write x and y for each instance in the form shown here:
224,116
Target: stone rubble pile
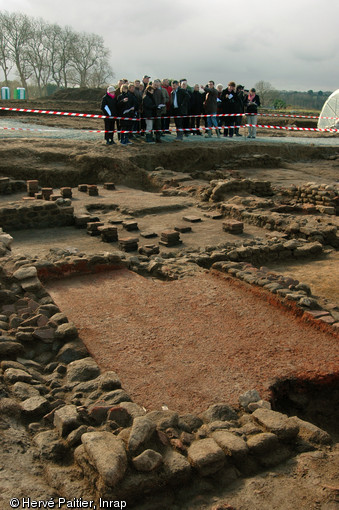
324,197
218,189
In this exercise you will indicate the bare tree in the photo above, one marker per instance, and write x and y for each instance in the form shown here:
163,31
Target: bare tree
17,33
62,41
266,92
50,53
88,52
39,53
5,60
101,74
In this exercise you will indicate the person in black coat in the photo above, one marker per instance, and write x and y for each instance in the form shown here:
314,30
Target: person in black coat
179,106
240,107
229,102
109,107
126,104
149,109
196,107
186,121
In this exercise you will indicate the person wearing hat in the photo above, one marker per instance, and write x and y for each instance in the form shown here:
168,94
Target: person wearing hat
145,80
109,108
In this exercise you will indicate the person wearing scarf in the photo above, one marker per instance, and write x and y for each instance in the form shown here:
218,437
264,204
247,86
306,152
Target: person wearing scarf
126,105
109,108
252,102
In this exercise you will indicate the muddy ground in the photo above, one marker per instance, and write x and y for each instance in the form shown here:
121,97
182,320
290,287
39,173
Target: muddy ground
309,482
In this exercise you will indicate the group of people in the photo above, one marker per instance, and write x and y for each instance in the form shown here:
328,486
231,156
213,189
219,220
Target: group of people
146,107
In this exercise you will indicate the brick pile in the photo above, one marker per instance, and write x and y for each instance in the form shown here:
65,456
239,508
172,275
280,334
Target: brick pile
233,226
128,243
93,228
108,234
170,238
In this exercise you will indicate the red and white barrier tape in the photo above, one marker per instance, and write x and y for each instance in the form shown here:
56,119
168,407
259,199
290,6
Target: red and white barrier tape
221,115
184,130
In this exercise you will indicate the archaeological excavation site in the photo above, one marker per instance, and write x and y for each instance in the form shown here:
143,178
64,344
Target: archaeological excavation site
169,324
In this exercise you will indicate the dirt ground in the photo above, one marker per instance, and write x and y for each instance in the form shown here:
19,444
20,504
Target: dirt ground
190,343
168,326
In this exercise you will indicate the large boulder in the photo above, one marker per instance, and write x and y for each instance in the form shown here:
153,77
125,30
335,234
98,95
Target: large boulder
141,432
107,455
206,456
34,408
66,419
312,433
149,460
219,412
278,423
82,370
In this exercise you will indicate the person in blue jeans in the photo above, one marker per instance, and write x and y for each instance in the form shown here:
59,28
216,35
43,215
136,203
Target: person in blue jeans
211,108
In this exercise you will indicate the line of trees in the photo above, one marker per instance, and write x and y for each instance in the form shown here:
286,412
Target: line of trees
280,99
49,54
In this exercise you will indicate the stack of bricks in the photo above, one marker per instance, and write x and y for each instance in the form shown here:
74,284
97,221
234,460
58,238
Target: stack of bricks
46,193
109,186
233,226
32,188
128,243
170,238
93,228
130,225
108,234
81,220
92,190
83,188
66,192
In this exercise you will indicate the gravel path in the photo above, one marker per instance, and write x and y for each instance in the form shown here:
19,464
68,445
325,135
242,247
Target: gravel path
78,134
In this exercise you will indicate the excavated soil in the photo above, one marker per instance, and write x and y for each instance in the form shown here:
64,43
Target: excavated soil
193,342
188,343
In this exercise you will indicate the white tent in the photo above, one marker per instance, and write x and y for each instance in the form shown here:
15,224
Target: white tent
330,109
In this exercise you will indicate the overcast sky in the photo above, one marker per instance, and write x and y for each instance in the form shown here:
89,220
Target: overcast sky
292,44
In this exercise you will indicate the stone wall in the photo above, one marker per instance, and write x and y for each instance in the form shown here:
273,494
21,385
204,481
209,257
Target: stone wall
36,214
324,197
292,225
9,186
